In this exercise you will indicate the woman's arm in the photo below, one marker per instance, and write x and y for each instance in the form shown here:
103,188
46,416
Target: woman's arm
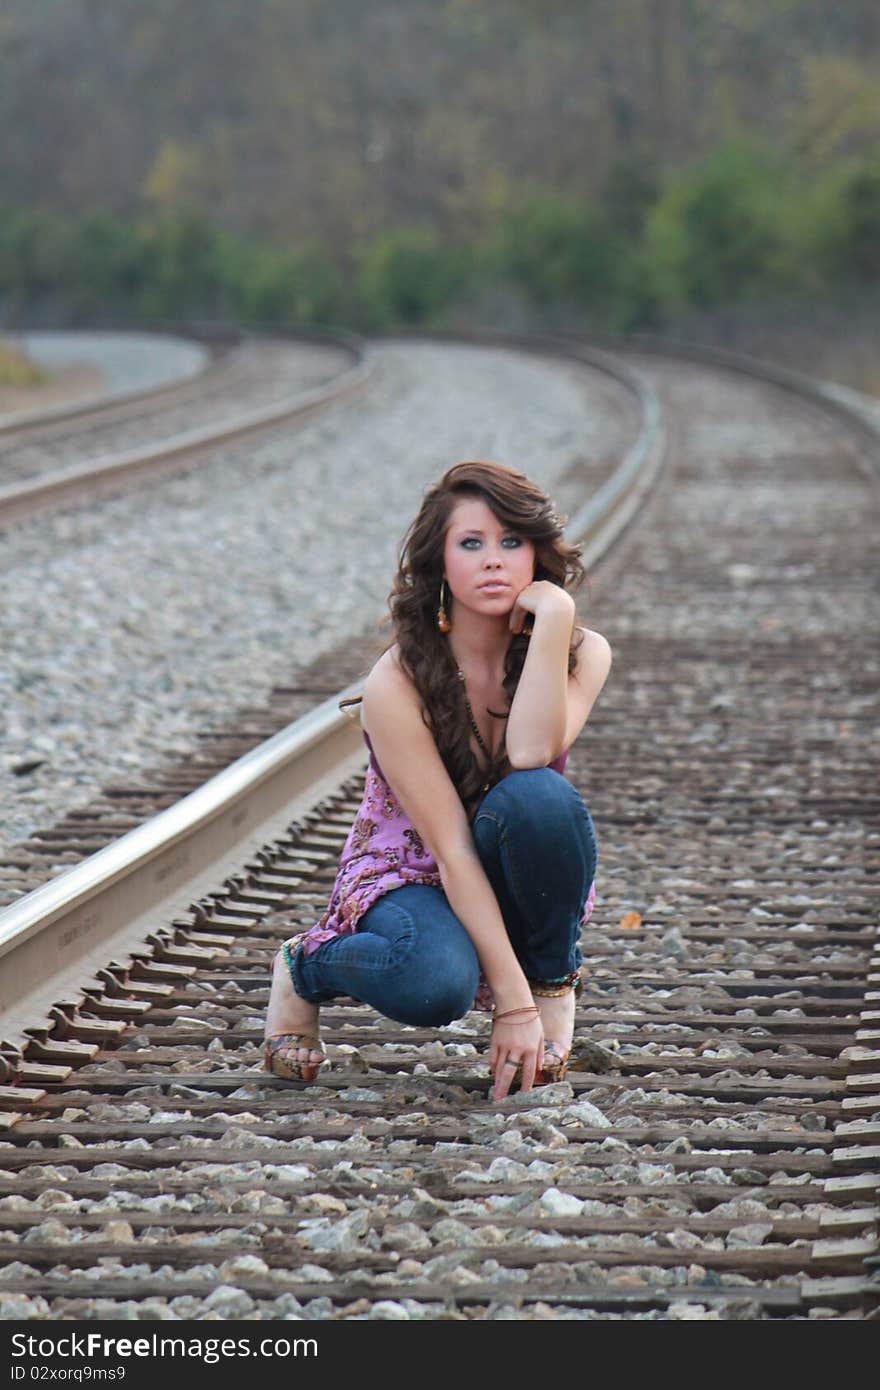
408,756
550,706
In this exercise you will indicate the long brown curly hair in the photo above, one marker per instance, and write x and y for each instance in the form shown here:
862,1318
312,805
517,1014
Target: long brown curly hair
424,651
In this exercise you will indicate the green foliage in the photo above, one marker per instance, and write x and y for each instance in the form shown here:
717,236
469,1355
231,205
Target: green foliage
103,263
182,268
841,235
737,226
715,235
407,277
630,190
31,249
860,196
276,285
558,252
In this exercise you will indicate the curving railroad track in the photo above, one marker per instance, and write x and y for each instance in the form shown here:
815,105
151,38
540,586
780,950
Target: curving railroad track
715,1150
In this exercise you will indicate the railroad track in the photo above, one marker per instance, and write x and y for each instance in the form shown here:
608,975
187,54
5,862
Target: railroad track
715,1150
76,453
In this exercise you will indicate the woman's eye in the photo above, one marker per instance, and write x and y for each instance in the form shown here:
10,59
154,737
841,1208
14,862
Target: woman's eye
474,542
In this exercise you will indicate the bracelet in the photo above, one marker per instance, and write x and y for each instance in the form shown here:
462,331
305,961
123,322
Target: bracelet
531,1009
551,989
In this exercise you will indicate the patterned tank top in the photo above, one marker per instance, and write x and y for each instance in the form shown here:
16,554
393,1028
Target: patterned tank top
384,851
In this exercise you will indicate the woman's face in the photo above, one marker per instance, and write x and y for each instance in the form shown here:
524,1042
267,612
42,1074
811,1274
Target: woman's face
485,564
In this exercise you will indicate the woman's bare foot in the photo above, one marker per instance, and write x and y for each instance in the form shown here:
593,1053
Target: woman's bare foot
557,1020
289,1013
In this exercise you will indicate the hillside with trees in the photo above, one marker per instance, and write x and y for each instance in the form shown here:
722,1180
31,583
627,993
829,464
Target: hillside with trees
614,161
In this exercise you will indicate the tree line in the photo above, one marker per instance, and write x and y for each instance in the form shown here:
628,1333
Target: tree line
742,223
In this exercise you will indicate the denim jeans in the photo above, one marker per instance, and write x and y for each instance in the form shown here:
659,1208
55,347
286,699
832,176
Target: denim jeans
412,959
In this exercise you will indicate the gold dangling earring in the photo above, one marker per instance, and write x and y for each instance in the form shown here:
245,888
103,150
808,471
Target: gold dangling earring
443,622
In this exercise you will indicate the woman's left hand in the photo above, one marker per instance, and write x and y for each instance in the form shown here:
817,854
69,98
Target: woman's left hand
541,596
516,1049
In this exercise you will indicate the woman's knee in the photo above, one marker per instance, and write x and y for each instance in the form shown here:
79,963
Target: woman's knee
531,830
440,984
534,797
433,972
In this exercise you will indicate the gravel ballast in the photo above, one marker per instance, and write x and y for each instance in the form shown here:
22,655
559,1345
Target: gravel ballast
679,1171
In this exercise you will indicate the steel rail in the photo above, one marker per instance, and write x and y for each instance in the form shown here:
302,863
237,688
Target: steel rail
109,904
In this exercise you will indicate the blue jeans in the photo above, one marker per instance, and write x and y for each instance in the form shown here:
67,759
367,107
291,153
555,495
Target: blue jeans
412,959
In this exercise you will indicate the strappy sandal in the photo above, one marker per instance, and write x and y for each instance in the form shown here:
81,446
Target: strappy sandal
281,1049
550,1072
281,1056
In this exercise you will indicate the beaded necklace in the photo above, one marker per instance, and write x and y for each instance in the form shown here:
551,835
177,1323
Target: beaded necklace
473,723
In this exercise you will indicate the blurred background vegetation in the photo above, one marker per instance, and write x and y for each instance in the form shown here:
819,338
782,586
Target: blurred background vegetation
702,168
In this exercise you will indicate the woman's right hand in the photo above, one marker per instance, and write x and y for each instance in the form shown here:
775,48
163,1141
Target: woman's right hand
515,1041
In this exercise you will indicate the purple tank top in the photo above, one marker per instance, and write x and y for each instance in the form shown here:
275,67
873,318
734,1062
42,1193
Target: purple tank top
384,851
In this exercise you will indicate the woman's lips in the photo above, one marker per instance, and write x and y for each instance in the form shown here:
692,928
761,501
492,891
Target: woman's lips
493,586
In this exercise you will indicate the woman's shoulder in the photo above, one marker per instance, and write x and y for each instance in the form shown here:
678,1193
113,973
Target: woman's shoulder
592,645
592,661
388,683
388,670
